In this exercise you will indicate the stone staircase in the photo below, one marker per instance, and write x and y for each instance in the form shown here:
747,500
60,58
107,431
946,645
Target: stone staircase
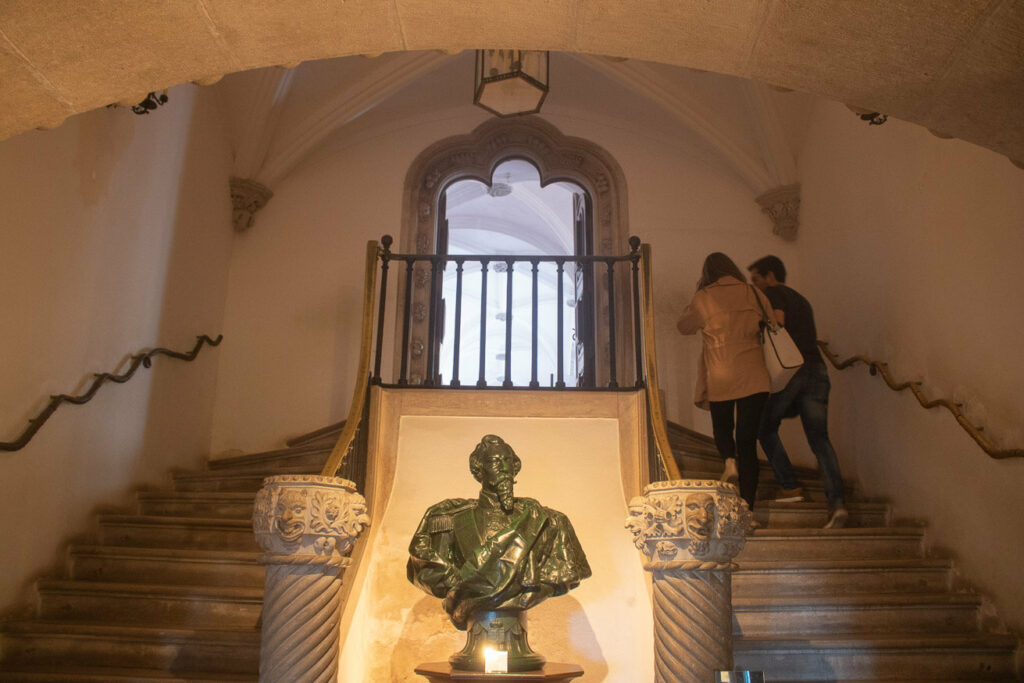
864,603
172,591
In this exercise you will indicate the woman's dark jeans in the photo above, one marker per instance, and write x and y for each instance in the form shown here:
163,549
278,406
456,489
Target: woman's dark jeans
743,414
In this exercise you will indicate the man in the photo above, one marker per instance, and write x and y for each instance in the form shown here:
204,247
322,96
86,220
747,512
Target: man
806,394
496,555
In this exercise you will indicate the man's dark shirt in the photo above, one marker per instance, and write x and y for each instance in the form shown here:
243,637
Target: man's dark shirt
799,320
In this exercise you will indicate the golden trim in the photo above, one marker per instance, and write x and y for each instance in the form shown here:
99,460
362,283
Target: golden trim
876,367
657,413
355,413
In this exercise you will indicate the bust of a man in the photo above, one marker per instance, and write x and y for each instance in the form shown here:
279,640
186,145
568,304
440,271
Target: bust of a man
492,558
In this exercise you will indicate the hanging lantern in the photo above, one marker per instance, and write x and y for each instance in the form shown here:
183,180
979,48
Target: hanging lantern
511,82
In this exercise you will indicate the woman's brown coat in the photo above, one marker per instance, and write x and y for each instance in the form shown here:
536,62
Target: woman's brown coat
727,314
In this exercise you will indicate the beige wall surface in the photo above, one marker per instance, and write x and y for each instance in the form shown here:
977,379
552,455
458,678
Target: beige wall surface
295,276
115,238
571,465
912,250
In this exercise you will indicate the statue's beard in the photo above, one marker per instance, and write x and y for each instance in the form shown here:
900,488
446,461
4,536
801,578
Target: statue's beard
506,498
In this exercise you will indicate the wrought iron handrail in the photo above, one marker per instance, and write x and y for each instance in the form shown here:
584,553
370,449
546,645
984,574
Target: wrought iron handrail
877,367
140,359
357,412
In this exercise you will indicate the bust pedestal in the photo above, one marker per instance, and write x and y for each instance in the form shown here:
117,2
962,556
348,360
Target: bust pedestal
552,672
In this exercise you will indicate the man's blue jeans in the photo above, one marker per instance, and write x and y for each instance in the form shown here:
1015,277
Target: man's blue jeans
806,395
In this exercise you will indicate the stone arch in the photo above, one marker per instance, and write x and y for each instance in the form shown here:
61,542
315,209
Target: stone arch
558,158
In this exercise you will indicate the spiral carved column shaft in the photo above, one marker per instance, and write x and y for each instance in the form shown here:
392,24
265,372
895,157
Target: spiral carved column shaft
301,613
688,532
692,625
307,525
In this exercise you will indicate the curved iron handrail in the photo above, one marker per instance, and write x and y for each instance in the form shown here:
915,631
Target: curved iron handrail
877,367
140,359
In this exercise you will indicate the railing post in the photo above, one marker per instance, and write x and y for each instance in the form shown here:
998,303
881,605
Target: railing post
458,322
431,374
634,251
613,380
533,327
560,380
385,259
403,375
482,380
510,267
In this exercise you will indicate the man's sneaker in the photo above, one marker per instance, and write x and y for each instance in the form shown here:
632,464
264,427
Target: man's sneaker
838,519
790,495
730,473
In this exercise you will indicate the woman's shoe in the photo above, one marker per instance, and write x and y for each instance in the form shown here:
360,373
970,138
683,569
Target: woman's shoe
730,474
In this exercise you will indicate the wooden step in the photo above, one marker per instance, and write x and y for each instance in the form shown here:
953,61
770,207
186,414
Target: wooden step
923,658
234,505
156,531
42,643
833,544
892,613
218,607
841,577
130,564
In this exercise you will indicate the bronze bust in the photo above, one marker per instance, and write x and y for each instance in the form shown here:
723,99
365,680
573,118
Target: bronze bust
493,558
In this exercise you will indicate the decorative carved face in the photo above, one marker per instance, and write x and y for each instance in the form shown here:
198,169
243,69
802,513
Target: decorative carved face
357,519
291,515
700,515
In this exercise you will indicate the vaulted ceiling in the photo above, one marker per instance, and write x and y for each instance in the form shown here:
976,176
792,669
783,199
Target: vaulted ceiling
956,67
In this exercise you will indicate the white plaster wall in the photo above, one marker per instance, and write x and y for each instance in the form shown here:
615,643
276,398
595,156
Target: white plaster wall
115,238
571,465
912,249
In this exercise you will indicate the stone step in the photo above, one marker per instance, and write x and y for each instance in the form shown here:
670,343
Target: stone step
923,658
815,515
218,607
324,435
67,672
309,457
234,505
834,544
130,564
809,616
227,480
156,531
843,577
41,643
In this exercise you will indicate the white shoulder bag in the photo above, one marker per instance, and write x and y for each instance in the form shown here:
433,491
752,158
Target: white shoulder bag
781,356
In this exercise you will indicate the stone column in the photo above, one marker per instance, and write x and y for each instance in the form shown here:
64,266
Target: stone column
306,524
688,532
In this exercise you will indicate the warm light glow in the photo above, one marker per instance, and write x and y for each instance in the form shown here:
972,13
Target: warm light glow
495,661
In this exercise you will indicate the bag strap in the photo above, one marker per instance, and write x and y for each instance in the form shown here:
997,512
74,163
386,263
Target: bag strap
765,318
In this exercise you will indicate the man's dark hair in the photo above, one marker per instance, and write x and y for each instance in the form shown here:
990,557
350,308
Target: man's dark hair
769,264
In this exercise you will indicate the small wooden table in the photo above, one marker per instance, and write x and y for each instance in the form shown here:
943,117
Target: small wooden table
551,672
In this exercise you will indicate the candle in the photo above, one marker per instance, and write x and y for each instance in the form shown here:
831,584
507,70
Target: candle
495,661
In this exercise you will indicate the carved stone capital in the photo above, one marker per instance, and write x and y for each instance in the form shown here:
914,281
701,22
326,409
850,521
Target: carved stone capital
689,525
308,519
783,206
247,197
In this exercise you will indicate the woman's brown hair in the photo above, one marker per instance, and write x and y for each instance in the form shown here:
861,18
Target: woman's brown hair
717,265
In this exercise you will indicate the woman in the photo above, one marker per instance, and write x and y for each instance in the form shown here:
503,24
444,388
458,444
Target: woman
732,380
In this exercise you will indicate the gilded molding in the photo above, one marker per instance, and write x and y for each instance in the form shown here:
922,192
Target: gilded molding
782,205
247,197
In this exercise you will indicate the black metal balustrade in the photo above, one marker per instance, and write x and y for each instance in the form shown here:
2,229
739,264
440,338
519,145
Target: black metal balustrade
600,277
